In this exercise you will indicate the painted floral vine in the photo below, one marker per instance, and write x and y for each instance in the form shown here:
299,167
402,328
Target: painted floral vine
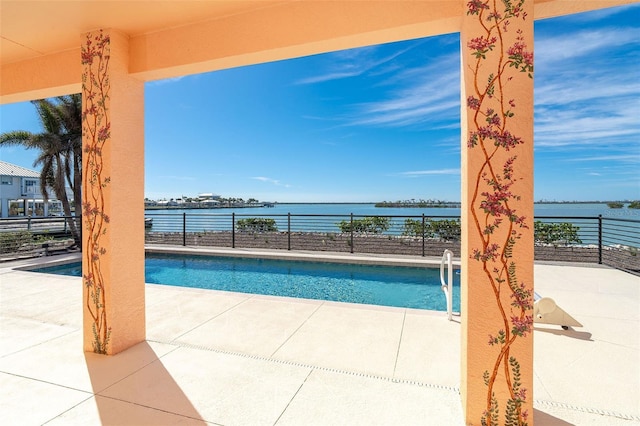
493,217
96,134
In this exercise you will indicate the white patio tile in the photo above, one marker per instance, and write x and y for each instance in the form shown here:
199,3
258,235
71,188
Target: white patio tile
258,326
63,362
17,334
173,311
430,349
219,388
352,337
553,415
106,411
329,398
28,402
599,376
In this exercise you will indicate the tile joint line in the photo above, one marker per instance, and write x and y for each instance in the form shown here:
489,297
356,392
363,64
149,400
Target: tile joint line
298,328
315,367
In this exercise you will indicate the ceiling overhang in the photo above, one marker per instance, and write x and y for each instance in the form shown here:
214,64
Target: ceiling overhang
40,41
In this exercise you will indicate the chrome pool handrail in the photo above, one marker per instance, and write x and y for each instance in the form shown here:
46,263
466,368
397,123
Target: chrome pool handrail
447,287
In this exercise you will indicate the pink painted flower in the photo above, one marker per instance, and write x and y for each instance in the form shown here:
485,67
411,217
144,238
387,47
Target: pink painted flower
473,140
473,103
494,15
88,280
522,297
506,140
521,326
86,57
104,132
475,6
481,45
519,56
489,253
522,395
507,169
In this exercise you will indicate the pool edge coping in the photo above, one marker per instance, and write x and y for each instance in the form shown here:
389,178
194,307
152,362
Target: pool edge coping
325,257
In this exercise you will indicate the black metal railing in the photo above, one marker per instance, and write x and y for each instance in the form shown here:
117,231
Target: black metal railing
314,232
602,240
30,236
619,243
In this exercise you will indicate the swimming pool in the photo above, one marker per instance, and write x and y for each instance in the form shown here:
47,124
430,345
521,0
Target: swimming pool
406,287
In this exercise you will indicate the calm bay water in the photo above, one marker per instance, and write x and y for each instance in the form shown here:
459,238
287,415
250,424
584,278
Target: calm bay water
198,220
568,209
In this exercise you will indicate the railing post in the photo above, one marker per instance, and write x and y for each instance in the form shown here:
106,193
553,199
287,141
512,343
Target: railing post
423,233
351,238
289,231
184,229
599,239
29,223
233,230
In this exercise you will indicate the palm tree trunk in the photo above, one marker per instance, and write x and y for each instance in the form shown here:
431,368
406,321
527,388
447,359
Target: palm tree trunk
77,193
71,220
61,193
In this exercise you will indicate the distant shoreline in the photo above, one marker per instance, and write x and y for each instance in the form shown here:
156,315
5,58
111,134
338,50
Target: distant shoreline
450,204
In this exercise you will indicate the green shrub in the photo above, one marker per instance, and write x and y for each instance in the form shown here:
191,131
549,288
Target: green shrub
443,230
256,224
369,224
446,230
12,242
413,228
556,234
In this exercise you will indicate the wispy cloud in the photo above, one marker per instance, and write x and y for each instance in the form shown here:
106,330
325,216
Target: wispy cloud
424,94
330,76
561,48
581,98
166,80
597,15
419,173
353,63
173,177
632,158
271,181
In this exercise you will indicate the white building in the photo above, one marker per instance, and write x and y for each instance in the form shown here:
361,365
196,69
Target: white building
20,193
208,196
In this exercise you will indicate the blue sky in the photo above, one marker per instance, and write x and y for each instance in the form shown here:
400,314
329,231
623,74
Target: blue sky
382,122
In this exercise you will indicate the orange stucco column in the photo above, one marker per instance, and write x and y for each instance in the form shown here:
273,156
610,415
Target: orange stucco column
112,195
497,212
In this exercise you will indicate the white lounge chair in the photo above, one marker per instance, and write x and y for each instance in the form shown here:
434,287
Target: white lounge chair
545,311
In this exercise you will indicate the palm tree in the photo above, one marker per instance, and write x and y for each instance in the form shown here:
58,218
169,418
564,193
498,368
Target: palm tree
60,155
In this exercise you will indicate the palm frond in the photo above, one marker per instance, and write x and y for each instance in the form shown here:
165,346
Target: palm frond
60,146
17,137
47,115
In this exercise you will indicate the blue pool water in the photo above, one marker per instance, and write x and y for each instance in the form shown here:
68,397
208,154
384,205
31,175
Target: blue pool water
407,287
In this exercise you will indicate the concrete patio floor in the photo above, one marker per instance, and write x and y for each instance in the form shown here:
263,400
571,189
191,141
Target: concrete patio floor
236,359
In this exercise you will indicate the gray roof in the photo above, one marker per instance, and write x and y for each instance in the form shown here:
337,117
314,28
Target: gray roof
8,169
